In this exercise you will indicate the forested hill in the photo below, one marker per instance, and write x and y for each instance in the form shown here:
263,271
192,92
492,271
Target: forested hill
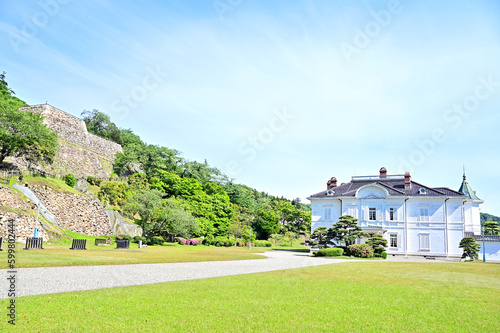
488,217
163,192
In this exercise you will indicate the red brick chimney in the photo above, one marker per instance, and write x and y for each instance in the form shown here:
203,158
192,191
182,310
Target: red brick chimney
331,183
407,181
383,172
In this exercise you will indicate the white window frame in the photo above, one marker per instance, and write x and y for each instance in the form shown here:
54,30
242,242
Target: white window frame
352,211
328,214
391,213
370,211
424,238
393,237
424,218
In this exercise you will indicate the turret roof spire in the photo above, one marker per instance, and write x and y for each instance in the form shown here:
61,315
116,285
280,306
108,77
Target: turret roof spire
467,190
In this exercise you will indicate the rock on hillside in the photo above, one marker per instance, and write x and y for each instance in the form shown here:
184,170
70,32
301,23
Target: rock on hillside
75,212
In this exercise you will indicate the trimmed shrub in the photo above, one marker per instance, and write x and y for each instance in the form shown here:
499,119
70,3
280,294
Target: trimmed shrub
155,240
70,180
361,250
384,255
139,238
329,252
124,237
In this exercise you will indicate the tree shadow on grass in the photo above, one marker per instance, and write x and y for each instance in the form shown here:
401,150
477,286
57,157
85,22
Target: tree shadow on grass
293,250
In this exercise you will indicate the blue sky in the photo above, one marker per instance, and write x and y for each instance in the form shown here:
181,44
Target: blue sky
280,95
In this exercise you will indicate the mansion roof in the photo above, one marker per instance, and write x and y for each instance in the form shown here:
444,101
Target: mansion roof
395,185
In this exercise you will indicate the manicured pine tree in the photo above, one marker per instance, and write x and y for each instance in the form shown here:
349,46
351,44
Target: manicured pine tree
471,248
378,243
346,230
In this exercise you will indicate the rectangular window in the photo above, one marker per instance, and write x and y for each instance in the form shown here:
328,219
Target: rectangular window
393,240
391,214
372,214
424,242
424,214
328,214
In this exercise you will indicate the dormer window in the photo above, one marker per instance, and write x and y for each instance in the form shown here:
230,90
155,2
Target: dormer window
422,191
330,193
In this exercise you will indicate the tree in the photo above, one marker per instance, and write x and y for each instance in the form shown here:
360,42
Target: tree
237,230
378,243
491,228
471,248
179,221
99,124
23,134
266,223
291,237
319,237
346,231
147,204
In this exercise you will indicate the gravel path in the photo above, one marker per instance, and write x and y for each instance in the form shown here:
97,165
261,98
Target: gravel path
48,280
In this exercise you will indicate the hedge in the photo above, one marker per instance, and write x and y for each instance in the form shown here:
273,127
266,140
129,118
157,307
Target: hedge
329,252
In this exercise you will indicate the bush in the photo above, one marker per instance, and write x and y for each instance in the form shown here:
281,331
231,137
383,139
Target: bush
125,237
208,240
94,181
361,250
329,252
139,238
384,255
155,240
70,180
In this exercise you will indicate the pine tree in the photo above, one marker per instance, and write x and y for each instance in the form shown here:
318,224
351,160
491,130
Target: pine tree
378,243
471,248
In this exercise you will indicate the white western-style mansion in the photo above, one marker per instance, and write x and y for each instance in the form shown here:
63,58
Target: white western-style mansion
414,218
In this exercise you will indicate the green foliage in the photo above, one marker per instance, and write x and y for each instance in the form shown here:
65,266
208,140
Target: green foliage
139,181
99,124
360,250
266,223
491,228
488,217
471,248
113,192
124,237
94,181
155,240
180,222
147,204
346,231
384,255
23,134
139,238
378,243
70,180
330,252
319,237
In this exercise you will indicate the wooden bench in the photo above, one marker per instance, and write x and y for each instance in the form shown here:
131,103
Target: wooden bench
34,243
100,241
79,244
5,181
122,244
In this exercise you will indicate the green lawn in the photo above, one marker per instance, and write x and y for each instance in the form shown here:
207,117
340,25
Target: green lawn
374,296
61,255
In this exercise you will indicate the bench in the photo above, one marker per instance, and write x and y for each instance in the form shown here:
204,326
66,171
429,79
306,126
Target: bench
34,243
79,244
100,241
122,244
5,181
